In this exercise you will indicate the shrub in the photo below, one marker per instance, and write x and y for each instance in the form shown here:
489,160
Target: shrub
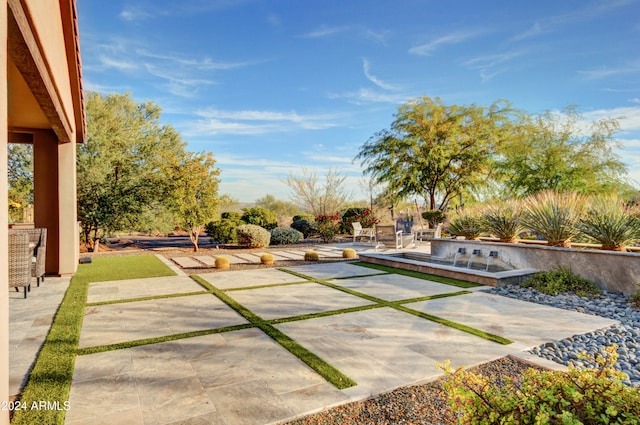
308,217
561,280
610,222
328,226
349,253
285,235
635,299
224,230
434,217
260,217
554,215
362,215
253,236
267,259
222,262
578,396
502,220
466,222
232,215
306,227
311,256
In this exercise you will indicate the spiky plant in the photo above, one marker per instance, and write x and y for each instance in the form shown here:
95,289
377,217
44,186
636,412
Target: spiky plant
466,222
502,220
610,222
554,215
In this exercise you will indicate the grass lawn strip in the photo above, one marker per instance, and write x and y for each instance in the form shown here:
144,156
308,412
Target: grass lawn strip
50,378
324,369
160,339
418,275
267,285
155,297
398,306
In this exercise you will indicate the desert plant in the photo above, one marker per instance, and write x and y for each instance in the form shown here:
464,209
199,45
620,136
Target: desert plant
260,217
311,256
349,253
502,220
610,222
635,299
434,217
554,215
578,396
253,236
267,259
560,280
224,230
222,262
285,235
304,226
466,222
328,226
308,217
364,216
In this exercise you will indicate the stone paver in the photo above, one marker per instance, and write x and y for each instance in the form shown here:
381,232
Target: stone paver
295,300
336,270
292,255
113,323
251,258
138,288
247,278
186,262
206,260
395,287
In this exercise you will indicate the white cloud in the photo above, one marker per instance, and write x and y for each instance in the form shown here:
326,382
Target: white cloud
491,65
628,116
365,96
325,31
107,62
375,80
453,38
251,122
201,64
597,74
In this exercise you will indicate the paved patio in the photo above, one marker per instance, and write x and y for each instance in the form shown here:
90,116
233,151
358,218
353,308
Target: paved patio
245,377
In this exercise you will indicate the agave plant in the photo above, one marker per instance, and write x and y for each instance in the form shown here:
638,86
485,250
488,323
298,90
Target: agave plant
610,222
554,215
502,220
466,222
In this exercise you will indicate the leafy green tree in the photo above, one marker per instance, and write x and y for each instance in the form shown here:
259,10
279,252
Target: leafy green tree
260,217
280,208
19,179
121,167
435,150
553,151
194,189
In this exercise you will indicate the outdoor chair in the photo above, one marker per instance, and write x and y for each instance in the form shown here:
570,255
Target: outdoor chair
388,236
359,231
20,254
422,235
38,240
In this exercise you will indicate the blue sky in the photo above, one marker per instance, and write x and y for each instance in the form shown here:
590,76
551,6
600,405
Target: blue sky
270,86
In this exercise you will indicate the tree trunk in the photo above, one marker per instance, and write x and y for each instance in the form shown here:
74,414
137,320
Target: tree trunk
194,232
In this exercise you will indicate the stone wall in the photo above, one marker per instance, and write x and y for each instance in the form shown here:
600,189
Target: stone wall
613,271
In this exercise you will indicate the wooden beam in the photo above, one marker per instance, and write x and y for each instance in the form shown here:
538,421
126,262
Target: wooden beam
26,51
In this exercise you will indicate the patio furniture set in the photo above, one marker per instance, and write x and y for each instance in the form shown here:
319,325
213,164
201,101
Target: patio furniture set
27,254
389,235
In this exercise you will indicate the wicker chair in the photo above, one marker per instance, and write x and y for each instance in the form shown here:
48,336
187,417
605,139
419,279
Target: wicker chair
388,236
20,255
38,239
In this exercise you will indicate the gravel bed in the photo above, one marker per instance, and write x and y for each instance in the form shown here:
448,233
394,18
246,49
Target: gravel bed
414,405
626,334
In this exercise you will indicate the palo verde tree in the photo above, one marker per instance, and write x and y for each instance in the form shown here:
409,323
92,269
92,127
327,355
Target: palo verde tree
194,192
557,151
318,198
121,168
435,150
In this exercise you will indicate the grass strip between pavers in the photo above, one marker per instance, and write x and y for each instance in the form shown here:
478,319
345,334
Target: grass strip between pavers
266,285
50,378
160,339
418,275
398,306
324,369
154,297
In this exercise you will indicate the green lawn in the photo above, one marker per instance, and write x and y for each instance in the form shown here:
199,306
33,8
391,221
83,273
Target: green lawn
50,378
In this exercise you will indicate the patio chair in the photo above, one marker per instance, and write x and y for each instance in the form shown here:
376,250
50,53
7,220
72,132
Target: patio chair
19,261
388,236
359,231
422,235
38,240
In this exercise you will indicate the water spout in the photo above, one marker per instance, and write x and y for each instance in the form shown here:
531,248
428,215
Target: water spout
477,252
492,255
461,251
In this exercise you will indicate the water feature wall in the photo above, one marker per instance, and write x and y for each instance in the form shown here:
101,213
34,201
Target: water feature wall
613,271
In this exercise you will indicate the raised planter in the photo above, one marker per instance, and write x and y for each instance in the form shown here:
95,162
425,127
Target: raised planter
613,271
